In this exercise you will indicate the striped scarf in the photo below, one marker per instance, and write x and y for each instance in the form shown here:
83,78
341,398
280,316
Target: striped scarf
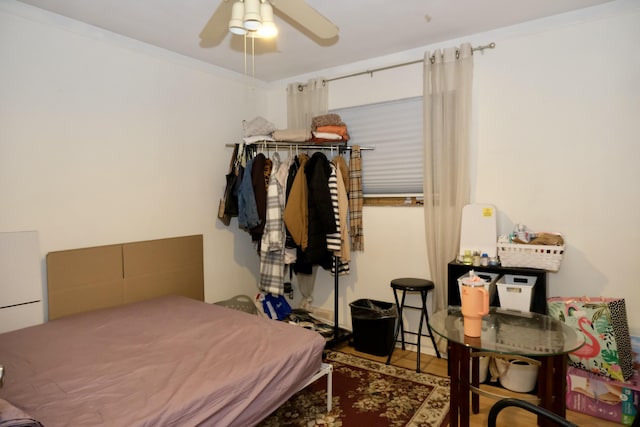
333,239
356,199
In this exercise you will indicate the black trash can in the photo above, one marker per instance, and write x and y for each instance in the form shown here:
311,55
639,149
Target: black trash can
374,325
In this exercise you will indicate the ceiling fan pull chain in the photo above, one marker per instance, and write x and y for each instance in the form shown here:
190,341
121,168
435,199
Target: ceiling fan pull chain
245,55
253,61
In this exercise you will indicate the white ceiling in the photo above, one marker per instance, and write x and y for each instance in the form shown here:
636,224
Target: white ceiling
368,28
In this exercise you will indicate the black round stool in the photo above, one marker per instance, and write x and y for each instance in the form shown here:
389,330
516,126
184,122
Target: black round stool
410,284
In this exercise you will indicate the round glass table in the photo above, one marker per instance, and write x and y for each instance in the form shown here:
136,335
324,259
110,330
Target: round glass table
506,332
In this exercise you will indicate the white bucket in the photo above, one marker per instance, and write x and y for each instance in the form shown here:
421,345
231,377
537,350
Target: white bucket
517,375
483,365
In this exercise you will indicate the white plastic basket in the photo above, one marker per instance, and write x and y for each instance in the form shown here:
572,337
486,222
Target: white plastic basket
544,257
241,303
516,291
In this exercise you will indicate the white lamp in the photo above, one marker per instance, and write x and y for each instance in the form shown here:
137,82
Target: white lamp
268,28
252,19
237,14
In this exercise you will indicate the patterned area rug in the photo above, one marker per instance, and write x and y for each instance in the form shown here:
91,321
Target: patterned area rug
367,393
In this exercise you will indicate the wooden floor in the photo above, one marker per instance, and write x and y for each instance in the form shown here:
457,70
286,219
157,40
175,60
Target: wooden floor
511,417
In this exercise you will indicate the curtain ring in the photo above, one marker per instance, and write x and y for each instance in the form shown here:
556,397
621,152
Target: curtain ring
300,87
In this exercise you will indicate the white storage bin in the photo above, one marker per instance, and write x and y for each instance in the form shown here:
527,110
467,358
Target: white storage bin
490,280
516,291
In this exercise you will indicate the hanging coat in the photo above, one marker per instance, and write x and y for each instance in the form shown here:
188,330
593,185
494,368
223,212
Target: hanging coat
260,164
321,217
272,244
296,210
247,209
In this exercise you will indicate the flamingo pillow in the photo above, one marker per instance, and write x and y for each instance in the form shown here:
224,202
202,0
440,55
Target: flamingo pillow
603,323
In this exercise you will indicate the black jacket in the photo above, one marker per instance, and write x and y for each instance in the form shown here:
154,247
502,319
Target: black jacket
321,217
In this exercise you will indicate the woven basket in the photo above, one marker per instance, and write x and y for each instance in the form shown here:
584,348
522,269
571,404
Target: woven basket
544,257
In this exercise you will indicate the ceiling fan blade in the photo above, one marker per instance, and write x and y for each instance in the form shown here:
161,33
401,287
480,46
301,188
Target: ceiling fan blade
307,17
217,27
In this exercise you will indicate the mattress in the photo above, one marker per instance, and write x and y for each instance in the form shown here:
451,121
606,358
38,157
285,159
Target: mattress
170,361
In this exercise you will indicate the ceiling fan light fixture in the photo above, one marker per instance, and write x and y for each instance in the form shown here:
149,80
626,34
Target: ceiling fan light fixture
236,25
252,19
268,28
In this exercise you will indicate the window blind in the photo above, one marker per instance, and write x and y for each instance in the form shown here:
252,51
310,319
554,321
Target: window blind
394,129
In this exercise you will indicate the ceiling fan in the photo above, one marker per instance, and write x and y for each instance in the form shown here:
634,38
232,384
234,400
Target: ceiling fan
298,11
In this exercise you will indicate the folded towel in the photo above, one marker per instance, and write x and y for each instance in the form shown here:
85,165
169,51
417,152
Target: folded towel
326,120
327,135
292,135
258,126
10,416
340,130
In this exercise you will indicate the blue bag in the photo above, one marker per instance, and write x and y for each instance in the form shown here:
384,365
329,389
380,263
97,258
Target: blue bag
276,306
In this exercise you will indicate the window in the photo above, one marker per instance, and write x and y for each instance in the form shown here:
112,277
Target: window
394,129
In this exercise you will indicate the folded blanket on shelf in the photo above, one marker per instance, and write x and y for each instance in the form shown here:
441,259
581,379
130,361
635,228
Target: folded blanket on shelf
326,120
316,140
257,126
292,135
327,135
340,130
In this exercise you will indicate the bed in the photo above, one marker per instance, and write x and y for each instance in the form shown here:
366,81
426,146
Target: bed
146,355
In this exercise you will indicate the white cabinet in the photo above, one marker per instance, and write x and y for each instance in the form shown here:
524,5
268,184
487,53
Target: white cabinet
21,285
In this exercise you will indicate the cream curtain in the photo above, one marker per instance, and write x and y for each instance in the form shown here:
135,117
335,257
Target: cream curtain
305,101
448,77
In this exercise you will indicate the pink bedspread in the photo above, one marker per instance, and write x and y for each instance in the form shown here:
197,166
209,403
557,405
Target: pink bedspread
170,361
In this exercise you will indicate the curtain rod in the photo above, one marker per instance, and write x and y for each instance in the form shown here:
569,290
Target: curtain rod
375,70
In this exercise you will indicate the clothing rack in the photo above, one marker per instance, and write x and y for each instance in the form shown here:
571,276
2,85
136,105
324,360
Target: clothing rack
338,146
339,335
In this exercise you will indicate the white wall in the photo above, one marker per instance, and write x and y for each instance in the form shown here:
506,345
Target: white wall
556,107
105,140
558,147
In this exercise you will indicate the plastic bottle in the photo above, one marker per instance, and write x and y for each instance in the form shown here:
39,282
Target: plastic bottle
522,234
476,259
484,260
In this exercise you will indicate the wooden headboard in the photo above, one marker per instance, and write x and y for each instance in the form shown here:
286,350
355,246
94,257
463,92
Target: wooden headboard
87,279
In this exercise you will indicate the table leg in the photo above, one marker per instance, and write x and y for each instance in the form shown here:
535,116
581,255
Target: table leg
475,381
463,362
545,389
454,378
459,356
552,386
559,405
